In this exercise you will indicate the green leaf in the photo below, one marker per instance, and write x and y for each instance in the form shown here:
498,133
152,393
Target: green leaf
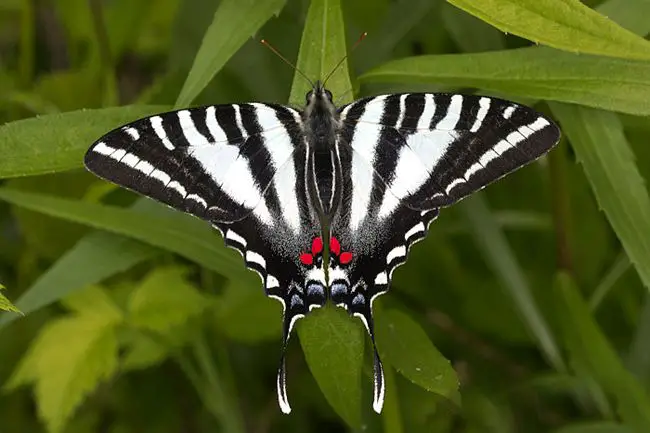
5,304
631,14
322,46
498,254
539,73
166,229
93,300
403,344
57,142
333,346
94,258
592,354
564,24
234,22
391,414
164,299
600,145
70,357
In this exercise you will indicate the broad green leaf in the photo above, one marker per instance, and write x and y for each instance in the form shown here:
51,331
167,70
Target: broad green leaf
536,73
94,258
234,22
592,354
178,233
164,299
333,347
638,358
497,252
594,427
5,304
403,344
565,24
57,142
70,357
600,145
469,33
322,46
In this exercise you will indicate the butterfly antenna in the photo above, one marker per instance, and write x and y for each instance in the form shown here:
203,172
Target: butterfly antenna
285,60
338,65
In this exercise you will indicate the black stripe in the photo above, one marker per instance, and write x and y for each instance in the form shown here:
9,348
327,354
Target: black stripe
198,117
171,124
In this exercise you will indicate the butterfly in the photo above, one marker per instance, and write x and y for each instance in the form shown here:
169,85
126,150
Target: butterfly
363,182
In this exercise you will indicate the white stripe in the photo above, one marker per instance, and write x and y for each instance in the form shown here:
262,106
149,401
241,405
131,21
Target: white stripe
218,135
253,257
281,149
453,184
272,283
424,122
418,228
103,149
378,403
118,155
197,199
293,321
363,320
130,159
397,252
132,132
402,111
161,176
192,135
144,167
178,187
501,147
156,124
448,123
364,143
231,235
482,112
507,113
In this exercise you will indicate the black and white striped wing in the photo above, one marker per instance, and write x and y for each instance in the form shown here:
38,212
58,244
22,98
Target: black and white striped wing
241,168
407,156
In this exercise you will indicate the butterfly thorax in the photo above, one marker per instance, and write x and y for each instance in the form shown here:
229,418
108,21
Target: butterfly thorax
321,125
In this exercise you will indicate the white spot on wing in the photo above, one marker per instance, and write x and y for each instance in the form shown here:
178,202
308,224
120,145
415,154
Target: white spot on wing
381,278
130,159
192,135
364,143
396,253
507,113
272,283
418,228
144,167
253,257
103,149
448,123
484,106
231,235
156,124
178,187
132,132
197,199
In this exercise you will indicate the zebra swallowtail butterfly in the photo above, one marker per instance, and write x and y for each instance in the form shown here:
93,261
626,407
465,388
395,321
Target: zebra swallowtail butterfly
363,181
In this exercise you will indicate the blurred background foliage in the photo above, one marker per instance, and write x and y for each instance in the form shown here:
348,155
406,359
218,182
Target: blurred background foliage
525,310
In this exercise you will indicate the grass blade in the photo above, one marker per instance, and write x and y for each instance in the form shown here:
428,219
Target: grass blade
600,145
565,24
234,22
536,73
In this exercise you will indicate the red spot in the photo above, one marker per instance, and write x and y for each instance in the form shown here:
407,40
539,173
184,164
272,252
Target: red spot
306,259
335,247
317,246
345,258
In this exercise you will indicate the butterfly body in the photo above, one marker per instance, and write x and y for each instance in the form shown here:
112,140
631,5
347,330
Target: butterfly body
364,180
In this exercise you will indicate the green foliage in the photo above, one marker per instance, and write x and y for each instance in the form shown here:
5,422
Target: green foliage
5,304
140,319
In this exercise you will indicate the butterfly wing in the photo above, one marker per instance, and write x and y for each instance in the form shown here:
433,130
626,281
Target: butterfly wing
406,156
241,168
